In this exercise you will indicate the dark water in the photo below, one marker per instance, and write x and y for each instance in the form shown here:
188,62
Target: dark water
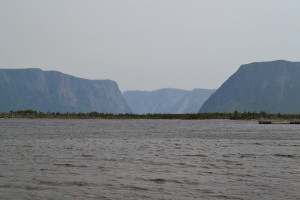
148,159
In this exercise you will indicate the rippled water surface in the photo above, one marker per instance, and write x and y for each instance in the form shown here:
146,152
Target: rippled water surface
148,159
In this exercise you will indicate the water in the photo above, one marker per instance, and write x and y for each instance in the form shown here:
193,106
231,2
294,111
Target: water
148,159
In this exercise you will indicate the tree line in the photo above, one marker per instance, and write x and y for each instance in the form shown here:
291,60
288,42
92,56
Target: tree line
32,114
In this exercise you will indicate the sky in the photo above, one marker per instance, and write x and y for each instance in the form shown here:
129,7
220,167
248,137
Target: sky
148,44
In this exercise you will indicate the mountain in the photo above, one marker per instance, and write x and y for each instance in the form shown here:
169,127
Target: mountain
262,86
53,91
167,100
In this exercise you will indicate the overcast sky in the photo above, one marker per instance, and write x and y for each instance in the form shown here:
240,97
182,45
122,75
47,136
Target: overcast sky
148,44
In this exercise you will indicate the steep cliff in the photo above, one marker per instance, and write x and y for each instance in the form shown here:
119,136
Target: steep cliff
167,100
266,86
57,92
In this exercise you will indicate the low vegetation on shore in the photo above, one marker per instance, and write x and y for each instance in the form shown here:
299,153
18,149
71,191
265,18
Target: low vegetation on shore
32,114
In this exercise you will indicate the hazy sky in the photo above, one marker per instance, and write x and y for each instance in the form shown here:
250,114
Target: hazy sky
148,44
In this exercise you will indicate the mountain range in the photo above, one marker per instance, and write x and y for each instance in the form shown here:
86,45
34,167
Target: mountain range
52,91
167,100
261,86
271,87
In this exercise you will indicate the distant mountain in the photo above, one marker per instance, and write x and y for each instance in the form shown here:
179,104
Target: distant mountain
266,86
166,100
57,92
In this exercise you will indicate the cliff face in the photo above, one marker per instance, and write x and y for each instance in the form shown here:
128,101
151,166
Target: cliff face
167,100
267,86
57,92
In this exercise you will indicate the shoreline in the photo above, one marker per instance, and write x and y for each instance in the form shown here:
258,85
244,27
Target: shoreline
261,116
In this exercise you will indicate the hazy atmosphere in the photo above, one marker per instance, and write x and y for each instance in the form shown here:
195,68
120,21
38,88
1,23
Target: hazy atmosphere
146,45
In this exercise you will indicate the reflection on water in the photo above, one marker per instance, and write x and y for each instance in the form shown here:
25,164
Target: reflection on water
148,159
